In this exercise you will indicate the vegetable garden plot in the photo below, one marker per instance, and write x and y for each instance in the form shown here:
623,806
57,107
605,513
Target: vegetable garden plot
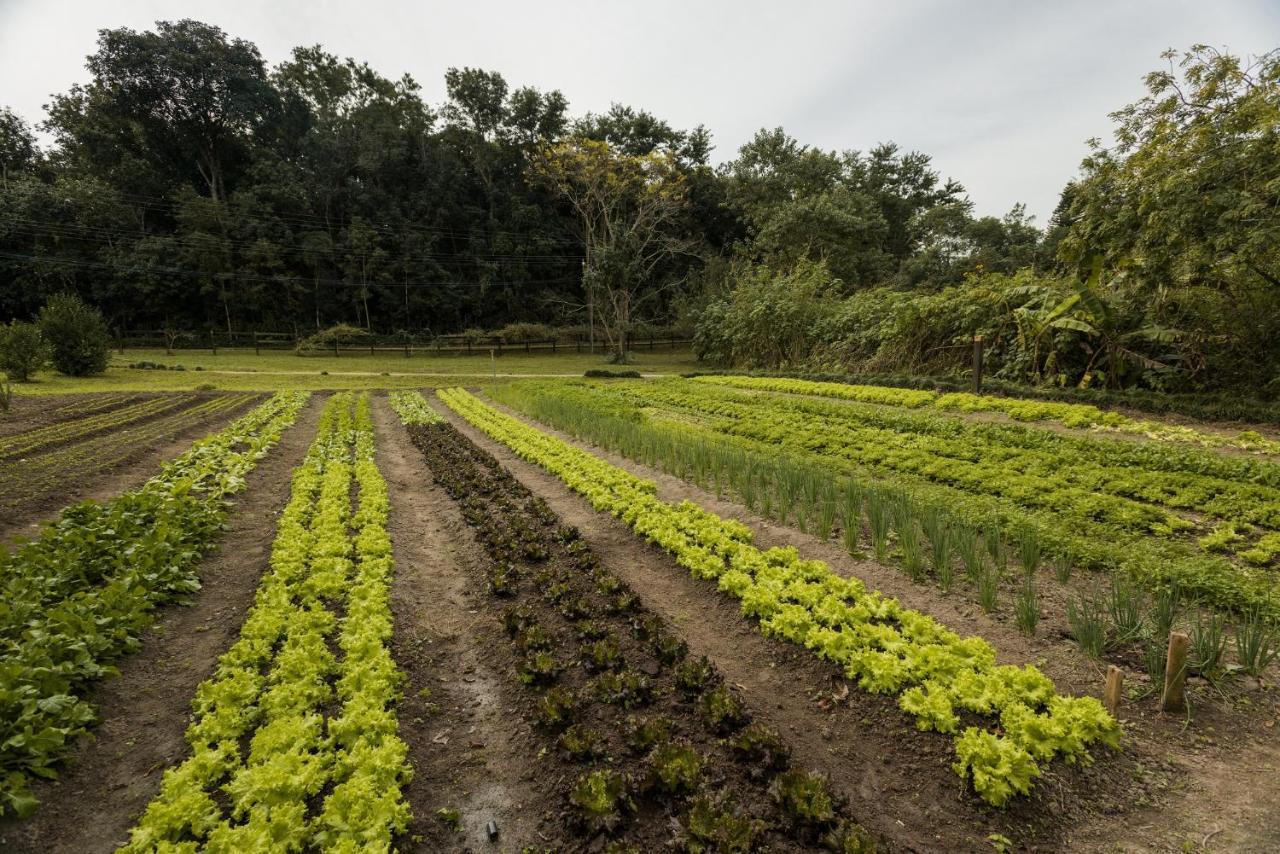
1157,513
29,413
942,681
1074,415
79,596
41,478
294,741
637,732
31,442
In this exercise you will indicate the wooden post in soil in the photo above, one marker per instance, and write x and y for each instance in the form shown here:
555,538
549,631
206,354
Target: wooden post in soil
977,364
1115,684
1175,673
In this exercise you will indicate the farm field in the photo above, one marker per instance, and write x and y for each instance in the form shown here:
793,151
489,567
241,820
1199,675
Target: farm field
629,614
55,450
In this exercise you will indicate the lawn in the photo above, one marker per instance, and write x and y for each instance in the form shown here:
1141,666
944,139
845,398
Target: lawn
242,370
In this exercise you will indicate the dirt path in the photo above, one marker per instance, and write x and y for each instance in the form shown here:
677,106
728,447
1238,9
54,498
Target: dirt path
1195,778
468,745
144,712
131,473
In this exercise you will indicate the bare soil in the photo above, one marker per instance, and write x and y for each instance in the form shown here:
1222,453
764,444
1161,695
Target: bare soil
1169,762
111,777
469,748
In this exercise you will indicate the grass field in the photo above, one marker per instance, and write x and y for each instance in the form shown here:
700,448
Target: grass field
243,370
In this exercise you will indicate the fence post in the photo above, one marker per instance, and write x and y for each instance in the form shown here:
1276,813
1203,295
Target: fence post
977,364
335,346
1175,673
213,342
553,345
256,348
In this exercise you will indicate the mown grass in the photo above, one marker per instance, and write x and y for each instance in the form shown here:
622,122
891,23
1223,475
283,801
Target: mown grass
238,370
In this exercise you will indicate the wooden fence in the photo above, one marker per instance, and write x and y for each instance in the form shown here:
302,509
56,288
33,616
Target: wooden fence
408,345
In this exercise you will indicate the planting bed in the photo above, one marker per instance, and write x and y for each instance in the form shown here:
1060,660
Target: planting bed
104,446
740,622
642,738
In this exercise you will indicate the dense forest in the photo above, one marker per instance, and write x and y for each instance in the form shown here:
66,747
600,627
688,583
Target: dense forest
189,186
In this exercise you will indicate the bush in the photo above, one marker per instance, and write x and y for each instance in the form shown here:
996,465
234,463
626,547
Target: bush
518,333
23,350
325,339
77,335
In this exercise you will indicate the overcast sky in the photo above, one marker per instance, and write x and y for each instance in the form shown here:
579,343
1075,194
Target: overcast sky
1002,93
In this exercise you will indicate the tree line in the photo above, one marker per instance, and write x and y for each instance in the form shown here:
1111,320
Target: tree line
190,186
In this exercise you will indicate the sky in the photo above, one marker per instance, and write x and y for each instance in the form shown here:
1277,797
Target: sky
1003,94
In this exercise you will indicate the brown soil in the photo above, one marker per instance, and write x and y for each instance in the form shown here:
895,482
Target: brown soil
109,779
31,412
129,472
469,750
1172,763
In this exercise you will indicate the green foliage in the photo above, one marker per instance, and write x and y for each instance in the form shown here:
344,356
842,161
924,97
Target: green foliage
72,606
600,800
1195,147
1087,616
804,799
556,708
989,588
881,646
76,335
1208,644
23,350
762,749
1026,607
643,733
998,768
675,769
294,661
1257,642
712,828
580,743
722,710
771,316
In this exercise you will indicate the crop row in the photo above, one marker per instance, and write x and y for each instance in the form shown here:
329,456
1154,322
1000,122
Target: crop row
639,728
36,480
74,407
100,422
294,742
884,647
1076,415
78,597
933,537
662,419
412,408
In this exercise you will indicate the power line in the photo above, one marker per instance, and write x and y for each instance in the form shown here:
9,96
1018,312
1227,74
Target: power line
302,280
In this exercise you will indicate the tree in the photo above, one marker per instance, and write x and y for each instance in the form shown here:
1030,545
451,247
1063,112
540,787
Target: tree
22,350
184,95
629,210
17,146
1187,206
77,335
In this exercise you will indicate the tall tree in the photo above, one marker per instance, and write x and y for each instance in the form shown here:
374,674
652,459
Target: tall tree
628,211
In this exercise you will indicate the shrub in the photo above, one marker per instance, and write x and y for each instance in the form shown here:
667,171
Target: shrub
326,339
23,350
76,334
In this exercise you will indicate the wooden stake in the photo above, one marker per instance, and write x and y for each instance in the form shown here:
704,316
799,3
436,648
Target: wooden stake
977,364
1115,684
1175,673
